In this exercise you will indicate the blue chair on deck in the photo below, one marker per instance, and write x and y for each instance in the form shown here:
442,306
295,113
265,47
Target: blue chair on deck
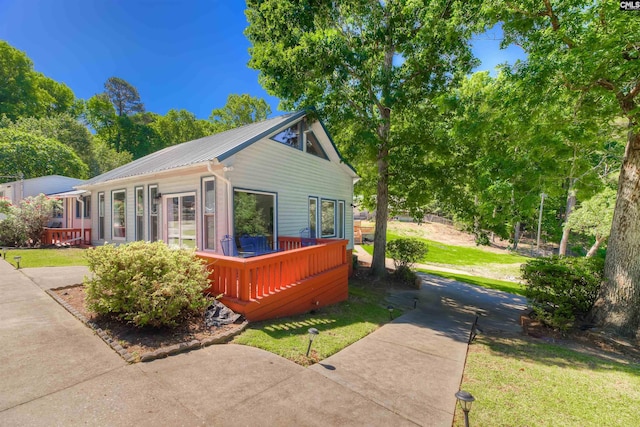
229,247
306,239
248,243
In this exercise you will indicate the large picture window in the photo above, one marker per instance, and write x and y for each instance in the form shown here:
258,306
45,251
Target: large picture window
292,136
119,214
328,218
313,146
101,216
254,214
139,213
181,220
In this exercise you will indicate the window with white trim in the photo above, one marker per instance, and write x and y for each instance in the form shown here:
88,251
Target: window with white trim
101,216
119,214
181,220
139,213
209,213
328,215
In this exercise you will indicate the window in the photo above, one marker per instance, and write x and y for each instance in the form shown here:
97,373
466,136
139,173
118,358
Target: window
290,136
181,220
314,147
341,219
153,212
313,216
119,214
139,213
209,213
254,215
83,207
328,218
101,216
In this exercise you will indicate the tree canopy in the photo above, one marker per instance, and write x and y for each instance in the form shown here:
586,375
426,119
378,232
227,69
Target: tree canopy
25,92
238,111
364,66
34,155
591,49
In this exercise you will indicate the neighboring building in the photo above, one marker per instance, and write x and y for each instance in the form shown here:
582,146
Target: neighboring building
286,169
53,186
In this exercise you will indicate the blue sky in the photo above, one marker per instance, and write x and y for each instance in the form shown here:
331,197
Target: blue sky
179,54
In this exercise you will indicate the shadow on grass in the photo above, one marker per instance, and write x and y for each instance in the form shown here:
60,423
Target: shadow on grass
499,285
528,350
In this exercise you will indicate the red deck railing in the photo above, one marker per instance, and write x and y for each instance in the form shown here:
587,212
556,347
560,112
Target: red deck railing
66,236
288,282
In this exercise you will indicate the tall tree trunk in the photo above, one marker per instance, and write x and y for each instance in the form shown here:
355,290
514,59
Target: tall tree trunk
618,304
378,268
595,246
516,235
571,202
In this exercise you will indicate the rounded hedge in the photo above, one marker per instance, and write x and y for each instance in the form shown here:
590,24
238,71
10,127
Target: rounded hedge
146,284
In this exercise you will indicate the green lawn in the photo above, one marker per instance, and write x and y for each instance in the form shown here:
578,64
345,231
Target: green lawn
500,285
339,325
441,253
47,257
524,382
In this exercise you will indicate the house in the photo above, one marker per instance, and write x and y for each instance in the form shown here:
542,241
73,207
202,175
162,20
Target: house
272,179
75,210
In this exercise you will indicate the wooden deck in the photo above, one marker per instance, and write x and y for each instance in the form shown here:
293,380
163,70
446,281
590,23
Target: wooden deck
66,237
293,281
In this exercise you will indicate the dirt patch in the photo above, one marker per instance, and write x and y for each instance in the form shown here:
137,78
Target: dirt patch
143,344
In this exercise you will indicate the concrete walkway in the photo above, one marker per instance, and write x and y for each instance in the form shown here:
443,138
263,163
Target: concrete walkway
55,371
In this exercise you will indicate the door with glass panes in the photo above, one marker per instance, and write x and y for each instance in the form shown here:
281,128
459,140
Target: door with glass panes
180,225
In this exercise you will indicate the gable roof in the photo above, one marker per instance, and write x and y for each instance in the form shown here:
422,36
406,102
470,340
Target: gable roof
220,146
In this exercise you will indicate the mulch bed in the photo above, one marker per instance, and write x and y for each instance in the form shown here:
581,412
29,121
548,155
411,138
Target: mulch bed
144,344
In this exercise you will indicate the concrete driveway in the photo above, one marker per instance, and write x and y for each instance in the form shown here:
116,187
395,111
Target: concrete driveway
56,371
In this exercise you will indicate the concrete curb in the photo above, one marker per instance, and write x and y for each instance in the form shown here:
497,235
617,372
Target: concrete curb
149,356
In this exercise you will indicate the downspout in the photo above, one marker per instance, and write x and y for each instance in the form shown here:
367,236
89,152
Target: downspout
221,177
79,199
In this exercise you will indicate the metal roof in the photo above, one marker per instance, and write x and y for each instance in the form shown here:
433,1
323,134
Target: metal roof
220,146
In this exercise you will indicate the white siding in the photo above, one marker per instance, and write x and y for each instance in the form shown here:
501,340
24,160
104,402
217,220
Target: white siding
295,176
264,166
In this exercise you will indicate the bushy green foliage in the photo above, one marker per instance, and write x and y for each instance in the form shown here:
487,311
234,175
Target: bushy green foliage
145,283
406,251
24,224
562,289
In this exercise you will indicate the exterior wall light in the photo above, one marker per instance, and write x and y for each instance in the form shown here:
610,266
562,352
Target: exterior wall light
465,399
313,332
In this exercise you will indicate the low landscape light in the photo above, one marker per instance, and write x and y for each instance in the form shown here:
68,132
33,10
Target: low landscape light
415,302
390,308
17,260
313,332
465,399
4,253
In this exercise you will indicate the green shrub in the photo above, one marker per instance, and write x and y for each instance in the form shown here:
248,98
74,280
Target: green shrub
406,252
145,283
24,223
562,289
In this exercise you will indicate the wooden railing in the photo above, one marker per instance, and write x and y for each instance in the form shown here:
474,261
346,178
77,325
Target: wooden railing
250,279
66,236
